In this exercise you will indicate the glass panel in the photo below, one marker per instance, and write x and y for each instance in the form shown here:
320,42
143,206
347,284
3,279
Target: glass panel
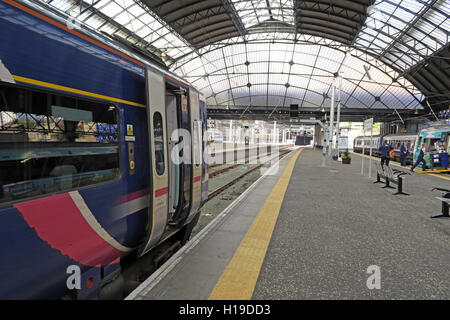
223,75
50,143
420,24
197,142
158,136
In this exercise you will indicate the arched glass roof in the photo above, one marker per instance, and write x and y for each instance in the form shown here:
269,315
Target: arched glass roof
402,33
280,72
404,43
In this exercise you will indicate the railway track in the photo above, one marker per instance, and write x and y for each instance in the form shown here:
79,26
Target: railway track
232,182
229,167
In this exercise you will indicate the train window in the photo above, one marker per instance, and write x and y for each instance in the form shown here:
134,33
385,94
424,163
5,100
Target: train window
159,143
197,143
50,143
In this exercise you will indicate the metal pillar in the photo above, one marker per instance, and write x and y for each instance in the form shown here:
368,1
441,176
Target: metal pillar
274,132
253,135
324,150
338,124
330,138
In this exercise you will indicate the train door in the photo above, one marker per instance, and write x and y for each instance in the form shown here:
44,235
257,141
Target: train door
156,115
417,147
196,134
205,159
172,102
180,167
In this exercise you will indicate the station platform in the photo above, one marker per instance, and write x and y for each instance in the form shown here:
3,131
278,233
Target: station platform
311,232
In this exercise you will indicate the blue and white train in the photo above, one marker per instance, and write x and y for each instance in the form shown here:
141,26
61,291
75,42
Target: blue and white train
373,143
86,181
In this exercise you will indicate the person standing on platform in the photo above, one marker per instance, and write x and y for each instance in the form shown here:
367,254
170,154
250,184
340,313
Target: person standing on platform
403,153
385,149
420,158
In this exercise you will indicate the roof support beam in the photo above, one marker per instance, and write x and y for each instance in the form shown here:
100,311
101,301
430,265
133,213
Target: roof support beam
408,28
229,7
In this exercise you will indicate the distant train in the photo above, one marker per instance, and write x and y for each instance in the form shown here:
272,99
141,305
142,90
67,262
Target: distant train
90,201
436,137
395,140
304,140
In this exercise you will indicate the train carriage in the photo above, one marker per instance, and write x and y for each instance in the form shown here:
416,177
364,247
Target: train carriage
88,132
396,141
367,143
437,141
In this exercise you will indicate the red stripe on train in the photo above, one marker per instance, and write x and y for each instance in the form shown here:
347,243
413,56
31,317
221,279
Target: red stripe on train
131,196
161,192
58,222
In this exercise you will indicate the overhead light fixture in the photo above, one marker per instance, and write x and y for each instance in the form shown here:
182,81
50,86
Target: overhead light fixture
416,112
366,69
323,109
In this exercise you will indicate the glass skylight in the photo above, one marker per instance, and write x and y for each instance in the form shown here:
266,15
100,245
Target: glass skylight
254,12
263,73
403,32
128,19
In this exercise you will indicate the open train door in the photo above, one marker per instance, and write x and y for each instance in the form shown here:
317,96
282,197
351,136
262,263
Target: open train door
159,177
197,152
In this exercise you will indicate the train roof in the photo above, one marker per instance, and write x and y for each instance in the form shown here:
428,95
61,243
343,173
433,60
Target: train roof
374,136
436,128
400,135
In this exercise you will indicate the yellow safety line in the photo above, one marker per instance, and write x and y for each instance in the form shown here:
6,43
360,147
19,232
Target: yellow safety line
68,89
400,166
239,278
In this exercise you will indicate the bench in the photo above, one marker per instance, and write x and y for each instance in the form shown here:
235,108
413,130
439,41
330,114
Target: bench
445,199
390,175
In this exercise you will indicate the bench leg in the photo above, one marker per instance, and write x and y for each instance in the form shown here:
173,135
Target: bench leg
378,178
387,184
445,211
400,187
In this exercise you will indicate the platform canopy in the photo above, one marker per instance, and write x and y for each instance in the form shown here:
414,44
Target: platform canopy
263,55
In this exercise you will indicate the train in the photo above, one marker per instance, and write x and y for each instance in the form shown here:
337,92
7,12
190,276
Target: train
303,140
436,136
91,201
437,141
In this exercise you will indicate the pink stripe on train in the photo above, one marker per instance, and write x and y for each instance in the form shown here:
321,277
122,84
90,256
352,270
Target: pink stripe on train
58,221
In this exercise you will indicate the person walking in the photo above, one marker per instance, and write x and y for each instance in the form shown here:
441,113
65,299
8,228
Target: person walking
385,149
404,153
420,158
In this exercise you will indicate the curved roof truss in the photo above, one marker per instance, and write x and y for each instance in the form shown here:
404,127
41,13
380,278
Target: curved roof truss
281,72
408,40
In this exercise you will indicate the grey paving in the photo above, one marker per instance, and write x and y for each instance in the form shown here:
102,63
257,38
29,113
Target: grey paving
195,276
334,223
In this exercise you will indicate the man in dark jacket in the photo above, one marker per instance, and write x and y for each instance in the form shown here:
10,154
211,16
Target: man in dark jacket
420,158
403,153
385,148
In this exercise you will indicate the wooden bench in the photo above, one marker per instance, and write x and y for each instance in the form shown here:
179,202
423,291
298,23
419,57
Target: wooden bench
389,176
445,199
